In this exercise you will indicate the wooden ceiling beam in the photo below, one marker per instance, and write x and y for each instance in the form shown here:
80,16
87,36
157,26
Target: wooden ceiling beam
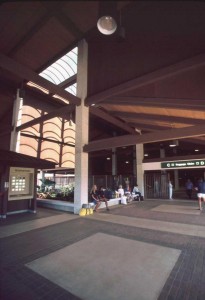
158,136
47,140
56,113
27,74
160,118
108,118
68,82
149,78
178,103
195,141
147,127
31,95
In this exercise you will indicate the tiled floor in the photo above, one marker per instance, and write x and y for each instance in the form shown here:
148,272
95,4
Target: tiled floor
161,253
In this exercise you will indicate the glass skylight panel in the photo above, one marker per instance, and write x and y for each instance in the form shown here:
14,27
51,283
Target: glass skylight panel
63,68
72,89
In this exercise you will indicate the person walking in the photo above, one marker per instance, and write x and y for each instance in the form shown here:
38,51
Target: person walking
201,192
189,188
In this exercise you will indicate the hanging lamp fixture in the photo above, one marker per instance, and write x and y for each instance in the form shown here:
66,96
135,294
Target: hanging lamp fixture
106,23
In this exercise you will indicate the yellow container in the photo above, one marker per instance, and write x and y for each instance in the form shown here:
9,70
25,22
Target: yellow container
82,212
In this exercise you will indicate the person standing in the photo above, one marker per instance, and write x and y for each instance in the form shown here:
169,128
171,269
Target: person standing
189,188
201,192
156,188
170,186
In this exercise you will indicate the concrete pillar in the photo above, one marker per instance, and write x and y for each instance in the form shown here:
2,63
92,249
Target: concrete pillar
114,159
176,179
114,162
162,153
176,174
16,121
140,172
82,127
33,202
4,192
134,161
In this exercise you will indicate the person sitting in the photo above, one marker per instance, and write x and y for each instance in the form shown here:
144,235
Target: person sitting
122,195
95,197
127,191
136,192
101,195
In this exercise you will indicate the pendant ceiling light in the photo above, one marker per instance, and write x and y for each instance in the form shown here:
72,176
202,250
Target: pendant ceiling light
174,143
106,23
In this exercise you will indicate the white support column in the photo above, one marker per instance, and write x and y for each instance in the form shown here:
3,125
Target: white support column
16,121
140,172
82,126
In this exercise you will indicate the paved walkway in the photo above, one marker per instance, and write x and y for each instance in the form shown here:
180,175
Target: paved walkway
145,250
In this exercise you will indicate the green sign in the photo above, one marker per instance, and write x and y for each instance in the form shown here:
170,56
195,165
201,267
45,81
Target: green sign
183,164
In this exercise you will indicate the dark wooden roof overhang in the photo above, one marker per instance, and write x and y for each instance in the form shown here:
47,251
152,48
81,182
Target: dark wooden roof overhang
14,159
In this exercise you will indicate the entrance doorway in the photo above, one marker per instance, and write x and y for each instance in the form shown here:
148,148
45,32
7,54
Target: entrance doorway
156,185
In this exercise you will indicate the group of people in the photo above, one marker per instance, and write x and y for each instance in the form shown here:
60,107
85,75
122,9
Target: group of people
98,196
128,196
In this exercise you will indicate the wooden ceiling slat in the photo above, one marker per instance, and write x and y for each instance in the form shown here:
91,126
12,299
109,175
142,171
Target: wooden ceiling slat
146,79
29,34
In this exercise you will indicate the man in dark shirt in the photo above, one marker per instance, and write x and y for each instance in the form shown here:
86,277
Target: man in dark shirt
101,195
189,188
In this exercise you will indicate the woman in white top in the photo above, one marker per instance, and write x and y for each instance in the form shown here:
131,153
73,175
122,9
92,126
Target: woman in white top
122,195
121,190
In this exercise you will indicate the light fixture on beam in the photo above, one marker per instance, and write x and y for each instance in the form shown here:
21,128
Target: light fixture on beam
106,23
174,143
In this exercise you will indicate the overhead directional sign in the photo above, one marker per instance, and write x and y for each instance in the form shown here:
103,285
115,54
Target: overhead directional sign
183,164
